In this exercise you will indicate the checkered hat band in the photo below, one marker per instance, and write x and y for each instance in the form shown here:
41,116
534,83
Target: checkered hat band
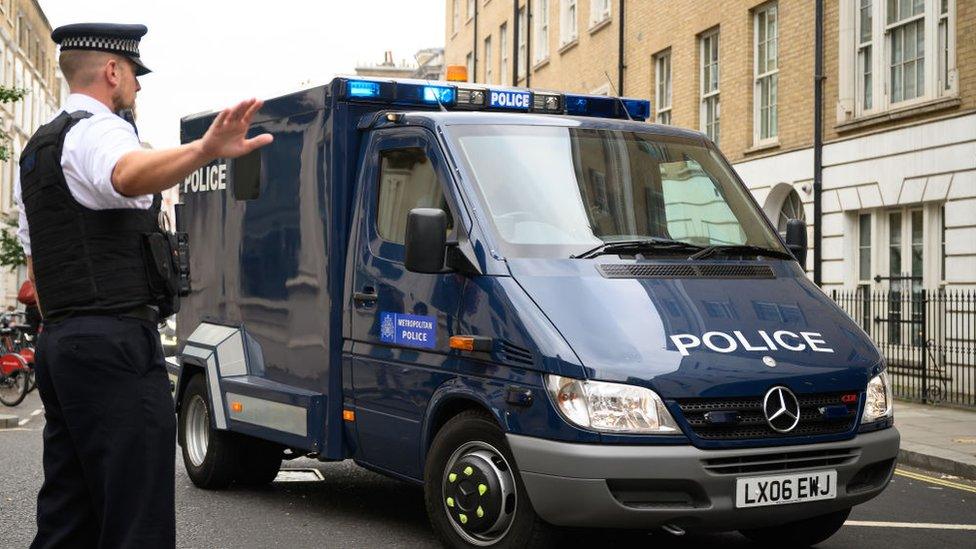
125,46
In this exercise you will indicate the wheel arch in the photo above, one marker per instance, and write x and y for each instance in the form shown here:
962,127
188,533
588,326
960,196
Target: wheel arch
448,401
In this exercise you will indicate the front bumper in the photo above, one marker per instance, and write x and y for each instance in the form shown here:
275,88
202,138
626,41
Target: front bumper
616,486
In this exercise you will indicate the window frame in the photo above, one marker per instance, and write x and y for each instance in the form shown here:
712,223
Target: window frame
706,39
540,31
568,25
772,76
862,248
939,66
523,51
601,11
456,17
489,70
662,61
503,67
469,11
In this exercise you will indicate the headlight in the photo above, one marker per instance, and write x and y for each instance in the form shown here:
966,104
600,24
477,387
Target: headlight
878,403
612,407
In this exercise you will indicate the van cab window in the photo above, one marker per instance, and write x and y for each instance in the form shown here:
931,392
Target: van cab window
564,190
407,181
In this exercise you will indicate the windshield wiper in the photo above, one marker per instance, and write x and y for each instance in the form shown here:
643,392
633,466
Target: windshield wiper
653,243
739,249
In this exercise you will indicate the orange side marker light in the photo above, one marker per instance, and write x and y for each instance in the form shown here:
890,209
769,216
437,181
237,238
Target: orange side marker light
348,415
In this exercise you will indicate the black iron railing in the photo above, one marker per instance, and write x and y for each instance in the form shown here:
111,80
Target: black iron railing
928,338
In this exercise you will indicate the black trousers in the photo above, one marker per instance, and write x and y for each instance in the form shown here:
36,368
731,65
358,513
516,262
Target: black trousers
110,437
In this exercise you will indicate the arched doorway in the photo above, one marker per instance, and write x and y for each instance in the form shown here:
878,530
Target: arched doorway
782,204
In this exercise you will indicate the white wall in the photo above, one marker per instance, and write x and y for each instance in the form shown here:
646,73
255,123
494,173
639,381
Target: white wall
925,165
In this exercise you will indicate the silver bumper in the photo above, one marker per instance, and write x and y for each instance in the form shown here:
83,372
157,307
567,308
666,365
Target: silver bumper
646,486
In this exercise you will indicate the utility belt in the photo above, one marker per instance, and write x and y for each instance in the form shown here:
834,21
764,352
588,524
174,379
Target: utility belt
168,269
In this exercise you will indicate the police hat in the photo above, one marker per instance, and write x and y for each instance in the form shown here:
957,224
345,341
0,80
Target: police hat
108,37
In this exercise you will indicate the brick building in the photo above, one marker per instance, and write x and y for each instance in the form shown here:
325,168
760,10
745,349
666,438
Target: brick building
28,60
899,156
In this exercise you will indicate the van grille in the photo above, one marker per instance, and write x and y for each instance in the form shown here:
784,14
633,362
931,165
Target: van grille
785,461
685,270
752,424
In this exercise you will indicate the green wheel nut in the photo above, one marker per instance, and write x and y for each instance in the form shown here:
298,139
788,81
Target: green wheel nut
452,477
480,512
468,471
482,489
463,518
450,502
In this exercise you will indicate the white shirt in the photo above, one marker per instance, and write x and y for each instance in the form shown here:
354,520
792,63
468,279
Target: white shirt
91,149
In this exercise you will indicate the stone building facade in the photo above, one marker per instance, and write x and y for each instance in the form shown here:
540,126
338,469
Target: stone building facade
899,110
28,60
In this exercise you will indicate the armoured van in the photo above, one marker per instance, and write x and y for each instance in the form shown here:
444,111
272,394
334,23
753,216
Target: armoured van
544,310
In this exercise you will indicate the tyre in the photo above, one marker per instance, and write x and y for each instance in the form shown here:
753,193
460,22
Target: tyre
801,533
210,456
14,387
473,492
260,461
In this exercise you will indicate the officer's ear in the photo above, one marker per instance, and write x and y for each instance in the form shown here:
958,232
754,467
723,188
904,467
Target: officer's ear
113,72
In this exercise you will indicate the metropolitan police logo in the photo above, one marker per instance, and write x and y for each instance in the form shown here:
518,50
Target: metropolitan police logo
387,328
782,409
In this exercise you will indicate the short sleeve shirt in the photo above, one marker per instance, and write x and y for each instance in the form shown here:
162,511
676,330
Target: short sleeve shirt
92,147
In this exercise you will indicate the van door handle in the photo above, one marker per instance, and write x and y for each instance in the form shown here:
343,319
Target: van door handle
366,297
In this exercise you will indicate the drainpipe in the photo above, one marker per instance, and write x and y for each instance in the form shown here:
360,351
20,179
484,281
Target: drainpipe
528,43
818,79
474,51
515,39
620,53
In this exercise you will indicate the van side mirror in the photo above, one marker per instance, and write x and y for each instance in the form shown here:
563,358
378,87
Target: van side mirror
796,240
426,240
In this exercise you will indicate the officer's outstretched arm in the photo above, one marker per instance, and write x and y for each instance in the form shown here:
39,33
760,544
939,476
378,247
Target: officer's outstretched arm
151,171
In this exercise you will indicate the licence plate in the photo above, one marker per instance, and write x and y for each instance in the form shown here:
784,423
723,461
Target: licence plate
783,489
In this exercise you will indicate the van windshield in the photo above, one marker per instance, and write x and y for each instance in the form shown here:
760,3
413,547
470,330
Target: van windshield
553,191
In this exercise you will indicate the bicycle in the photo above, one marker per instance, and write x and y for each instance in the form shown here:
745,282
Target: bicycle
14,379
16,360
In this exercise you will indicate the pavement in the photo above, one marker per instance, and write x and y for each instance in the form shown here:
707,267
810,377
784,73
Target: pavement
937,438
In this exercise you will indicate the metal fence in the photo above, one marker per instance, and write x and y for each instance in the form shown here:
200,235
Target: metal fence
928,338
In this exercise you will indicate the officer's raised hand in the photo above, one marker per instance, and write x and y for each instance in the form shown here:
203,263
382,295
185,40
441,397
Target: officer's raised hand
151,171
226,136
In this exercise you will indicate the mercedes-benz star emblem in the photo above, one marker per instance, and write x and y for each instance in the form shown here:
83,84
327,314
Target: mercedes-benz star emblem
782,409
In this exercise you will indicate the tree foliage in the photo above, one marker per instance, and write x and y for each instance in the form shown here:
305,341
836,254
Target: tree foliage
8,95
11,254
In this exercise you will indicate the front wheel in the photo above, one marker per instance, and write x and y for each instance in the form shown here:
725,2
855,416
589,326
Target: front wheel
472,489
801,533
14,387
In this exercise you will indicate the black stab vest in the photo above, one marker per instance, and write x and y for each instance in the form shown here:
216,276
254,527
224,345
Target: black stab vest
85,261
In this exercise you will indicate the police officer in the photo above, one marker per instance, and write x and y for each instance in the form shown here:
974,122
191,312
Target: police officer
88,196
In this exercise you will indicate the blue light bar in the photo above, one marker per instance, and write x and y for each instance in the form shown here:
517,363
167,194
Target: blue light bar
639,109
608,107
438,94
577,105
361,88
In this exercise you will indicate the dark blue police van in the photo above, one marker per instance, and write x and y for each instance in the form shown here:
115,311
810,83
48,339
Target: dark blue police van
542,309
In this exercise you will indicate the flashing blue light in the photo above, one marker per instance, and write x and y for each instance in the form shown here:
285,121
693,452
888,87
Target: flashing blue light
639,109
438,94
359,88
577,105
